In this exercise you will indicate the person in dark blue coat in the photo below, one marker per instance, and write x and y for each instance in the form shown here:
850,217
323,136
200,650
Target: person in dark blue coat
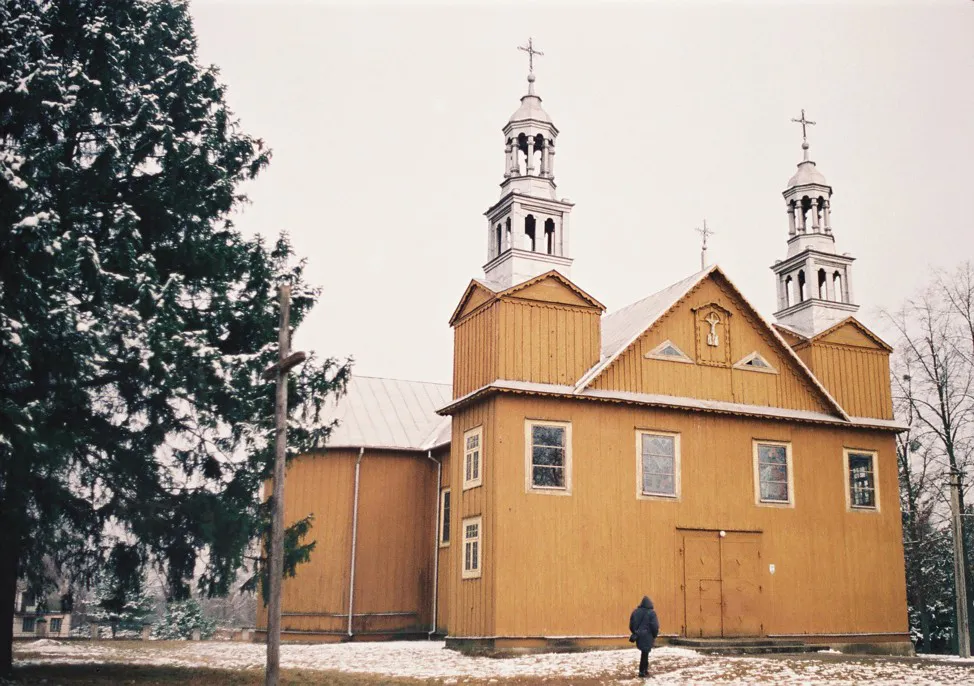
643,629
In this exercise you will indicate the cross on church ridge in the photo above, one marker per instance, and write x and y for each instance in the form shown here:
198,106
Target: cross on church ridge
804,122
529,48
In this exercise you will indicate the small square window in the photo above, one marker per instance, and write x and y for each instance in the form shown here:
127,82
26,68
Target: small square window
28,626
658,464
861,489
445,507
548,456
772,473
473,458
472,548
55,626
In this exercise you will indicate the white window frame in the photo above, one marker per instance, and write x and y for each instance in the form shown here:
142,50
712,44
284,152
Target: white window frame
445,543
478,480
757,474
847,479
640,493
657,353
742,364
529,486
476,572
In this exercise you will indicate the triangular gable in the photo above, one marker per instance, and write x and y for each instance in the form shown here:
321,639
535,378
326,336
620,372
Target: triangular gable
552,287
677,296
852,332
476,295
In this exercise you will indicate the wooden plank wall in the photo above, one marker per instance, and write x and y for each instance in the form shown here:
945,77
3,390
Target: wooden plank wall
470,607
475,350
546,342
577,565
858,378
633,372
394,559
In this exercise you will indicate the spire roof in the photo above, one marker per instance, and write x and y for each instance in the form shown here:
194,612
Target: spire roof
530,108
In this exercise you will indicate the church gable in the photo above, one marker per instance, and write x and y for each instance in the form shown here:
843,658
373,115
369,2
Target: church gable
734,355
476,295
552,287
851,333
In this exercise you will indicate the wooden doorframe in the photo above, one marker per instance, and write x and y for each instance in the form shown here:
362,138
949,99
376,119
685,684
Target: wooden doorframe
681,538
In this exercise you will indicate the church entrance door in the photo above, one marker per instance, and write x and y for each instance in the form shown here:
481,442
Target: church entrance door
721,584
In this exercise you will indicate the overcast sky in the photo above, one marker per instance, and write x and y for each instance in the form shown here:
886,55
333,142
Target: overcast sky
385,122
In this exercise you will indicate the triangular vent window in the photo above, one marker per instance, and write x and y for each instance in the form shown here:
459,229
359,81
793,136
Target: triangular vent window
667,350
754,362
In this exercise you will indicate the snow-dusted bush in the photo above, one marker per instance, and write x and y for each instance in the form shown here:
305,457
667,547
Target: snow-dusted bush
181,619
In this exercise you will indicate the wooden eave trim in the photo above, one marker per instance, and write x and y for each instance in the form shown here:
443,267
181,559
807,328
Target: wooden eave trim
857,324
473,285
549,303
846,346
554,274
492,390
477,310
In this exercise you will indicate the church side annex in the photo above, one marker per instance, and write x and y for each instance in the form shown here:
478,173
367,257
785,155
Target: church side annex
740,471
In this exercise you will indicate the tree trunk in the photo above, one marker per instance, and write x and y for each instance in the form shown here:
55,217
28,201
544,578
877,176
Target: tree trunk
9,564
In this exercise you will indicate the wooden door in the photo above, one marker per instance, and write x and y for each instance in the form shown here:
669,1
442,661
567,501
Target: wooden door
722,584
741,586
701,583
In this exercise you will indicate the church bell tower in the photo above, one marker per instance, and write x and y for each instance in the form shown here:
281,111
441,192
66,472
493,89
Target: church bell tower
814,284
527,229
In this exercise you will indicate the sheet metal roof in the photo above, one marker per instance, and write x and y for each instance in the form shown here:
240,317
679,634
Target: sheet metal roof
390,413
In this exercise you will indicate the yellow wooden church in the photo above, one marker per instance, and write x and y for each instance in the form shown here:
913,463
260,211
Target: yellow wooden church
740,472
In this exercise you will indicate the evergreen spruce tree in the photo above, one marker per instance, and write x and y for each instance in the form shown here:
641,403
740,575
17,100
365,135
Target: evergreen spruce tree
134,319
121,604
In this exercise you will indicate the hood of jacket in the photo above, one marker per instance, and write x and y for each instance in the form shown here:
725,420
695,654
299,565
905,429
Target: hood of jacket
647,603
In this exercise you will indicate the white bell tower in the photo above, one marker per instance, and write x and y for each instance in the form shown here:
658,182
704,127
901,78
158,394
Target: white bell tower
814,284
527,229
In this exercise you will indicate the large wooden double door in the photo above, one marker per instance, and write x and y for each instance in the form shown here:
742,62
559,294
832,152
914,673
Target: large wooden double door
722,583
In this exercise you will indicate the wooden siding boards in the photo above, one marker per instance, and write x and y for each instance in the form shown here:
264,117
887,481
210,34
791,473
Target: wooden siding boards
470,603
599,549
394,551
789,388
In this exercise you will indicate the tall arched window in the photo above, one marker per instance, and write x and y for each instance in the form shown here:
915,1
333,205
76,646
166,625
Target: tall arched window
802,291
498,239
837,287
823,289
529,235
549,236
789,284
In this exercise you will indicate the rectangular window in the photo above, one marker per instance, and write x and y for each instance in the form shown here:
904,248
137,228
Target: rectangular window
445,517
472,457
659,463
772,473
548,456
28,625
55,627
471,548
861,470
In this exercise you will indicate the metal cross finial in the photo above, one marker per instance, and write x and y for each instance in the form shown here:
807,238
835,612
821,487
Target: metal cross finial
706,232
804,122
529,48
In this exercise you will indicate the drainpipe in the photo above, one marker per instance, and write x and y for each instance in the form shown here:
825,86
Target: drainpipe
436,540
351,575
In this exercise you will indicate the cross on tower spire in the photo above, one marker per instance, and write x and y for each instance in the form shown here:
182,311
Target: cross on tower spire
705,232
804,122
529,48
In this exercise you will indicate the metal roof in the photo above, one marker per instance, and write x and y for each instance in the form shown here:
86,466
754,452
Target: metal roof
390,413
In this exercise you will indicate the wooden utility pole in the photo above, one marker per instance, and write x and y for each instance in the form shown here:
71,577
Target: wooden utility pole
279,371
960,577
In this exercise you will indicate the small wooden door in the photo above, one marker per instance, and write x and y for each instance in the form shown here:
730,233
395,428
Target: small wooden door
701,564
722,584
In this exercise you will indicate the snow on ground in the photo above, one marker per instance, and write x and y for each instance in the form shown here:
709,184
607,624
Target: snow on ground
429,660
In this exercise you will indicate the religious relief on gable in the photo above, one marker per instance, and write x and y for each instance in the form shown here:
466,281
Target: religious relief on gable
713,335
